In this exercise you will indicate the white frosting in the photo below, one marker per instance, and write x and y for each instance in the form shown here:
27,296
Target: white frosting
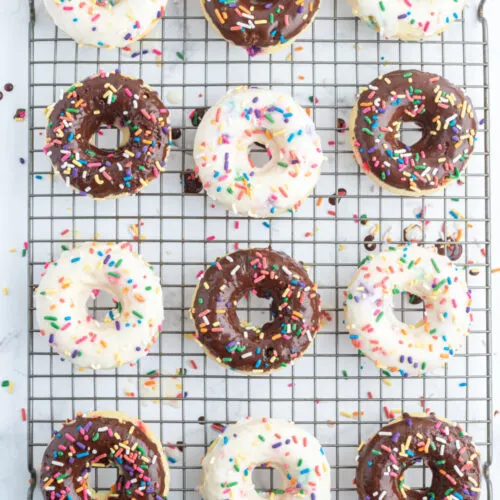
106,23
246,116
408,19
127,332
243,446
396,346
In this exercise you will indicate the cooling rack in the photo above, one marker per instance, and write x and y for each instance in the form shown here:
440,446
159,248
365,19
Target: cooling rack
332,392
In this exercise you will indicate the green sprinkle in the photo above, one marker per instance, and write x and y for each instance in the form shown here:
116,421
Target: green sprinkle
119,263
344,372
180,55
379,317
382,6
435,266
50,318
440,284
261,437
376,452
139,315
116,275
5,383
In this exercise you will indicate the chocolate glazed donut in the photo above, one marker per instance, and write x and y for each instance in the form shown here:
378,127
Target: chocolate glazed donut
104,439
431,103
444,447
260,25
115,100
295,308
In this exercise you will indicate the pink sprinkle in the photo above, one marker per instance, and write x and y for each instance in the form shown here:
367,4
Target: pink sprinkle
66,231
236,224
210,238
70,437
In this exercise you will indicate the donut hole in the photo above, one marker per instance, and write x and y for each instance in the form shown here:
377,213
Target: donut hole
259,155
418,477
254,310
103,479
101,305
409,308
267,479
410,133
110,137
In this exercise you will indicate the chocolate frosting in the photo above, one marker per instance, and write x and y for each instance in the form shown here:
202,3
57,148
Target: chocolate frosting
97,441
257,24
108,99
400,444
295,307
433,104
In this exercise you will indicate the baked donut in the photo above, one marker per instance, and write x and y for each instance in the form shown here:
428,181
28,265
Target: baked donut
293,452
115,100
260,26
408,19
443,113
221,152
443,446
106,23
376,332
128,331
104,439
239,345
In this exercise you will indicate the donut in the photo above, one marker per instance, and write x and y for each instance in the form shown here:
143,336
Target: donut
128,331
430,102
104,439
443,446
108,99
260,26
408,19
221,152
239,345
395,346
293,452
106,23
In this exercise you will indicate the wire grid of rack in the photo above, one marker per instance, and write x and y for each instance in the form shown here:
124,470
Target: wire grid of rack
332,392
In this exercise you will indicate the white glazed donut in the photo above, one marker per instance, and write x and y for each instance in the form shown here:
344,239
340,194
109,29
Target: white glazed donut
129,330
296,454
106,23
390,344
241,118
408,19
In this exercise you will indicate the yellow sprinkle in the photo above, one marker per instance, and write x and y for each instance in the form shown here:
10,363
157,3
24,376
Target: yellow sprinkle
387,382
5,291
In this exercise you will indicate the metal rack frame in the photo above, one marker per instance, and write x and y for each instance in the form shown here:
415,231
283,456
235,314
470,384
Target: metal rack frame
180,224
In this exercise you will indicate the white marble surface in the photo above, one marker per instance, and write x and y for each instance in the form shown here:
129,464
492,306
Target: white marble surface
13,268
